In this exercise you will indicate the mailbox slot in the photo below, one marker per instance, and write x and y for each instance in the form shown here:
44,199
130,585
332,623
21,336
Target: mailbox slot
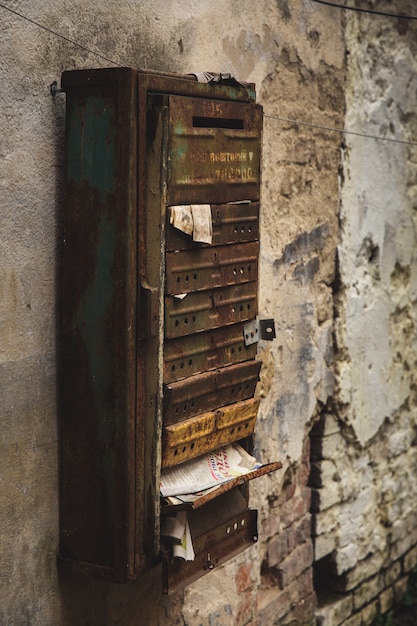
220,530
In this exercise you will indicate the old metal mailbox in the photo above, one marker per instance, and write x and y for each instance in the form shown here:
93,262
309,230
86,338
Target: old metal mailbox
159,276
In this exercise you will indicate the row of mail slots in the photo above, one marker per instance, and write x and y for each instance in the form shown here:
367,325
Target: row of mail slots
160,266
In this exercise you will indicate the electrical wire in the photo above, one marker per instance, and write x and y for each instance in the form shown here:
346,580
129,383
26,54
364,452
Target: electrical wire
67,39
341,131
276,117
359,10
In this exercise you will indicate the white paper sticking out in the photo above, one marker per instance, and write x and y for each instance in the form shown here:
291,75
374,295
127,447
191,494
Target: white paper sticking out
181,217
177,529
184,549
194,220
203,228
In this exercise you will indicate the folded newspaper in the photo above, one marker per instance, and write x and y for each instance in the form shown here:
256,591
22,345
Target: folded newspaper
177,530
207,472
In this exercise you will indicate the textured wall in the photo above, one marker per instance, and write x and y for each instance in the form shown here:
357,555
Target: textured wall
365,459
297,65
295,52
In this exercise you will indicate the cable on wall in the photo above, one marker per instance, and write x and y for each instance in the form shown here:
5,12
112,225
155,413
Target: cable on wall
359,10
276,117
67,39
342,131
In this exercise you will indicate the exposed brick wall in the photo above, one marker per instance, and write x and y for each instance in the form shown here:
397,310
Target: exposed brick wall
364,530
286,595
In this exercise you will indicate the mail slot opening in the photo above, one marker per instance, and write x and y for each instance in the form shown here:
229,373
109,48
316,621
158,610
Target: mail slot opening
217,122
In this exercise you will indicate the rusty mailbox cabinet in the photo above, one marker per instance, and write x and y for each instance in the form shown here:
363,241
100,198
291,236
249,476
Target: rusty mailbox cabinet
154,366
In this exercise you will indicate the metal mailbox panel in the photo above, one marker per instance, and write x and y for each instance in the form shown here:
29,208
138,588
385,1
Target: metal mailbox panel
212,548
203,310
214,266
193,354
207,391
232,223
203,433
214,151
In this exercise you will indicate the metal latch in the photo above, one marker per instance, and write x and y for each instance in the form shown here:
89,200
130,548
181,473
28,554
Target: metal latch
259,329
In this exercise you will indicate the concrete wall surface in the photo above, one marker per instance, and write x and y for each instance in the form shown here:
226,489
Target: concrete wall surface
338,275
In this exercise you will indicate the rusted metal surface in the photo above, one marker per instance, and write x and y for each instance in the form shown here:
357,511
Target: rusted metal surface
97,352
214,266
204,310
220,530
138,142
232,223
207,391
203,433
193,354
213,548
214,151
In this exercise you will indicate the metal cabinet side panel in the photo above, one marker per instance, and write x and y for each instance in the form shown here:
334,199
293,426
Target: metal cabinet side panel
98,334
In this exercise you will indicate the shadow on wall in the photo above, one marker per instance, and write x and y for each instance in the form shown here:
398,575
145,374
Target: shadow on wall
87,601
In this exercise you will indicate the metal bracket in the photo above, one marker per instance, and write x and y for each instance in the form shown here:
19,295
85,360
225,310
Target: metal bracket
267,329
251,332
259,329
54,89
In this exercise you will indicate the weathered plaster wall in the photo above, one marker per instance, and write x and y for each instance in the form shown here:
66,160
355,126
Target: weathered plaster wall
377,254
297,64
364,450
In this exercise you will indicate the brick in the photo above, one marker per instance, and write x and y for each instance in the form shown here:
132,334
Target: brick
306,452
303,474
386,600
324,545
277,549
326,521
369,613
355,620
245,615
403,545
243,579
392,573
368,591
295,509
273,605
299,532
301,587
400,588
271,525
300,559
302,614
335,613
322,499
362,571
410,560
347,557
